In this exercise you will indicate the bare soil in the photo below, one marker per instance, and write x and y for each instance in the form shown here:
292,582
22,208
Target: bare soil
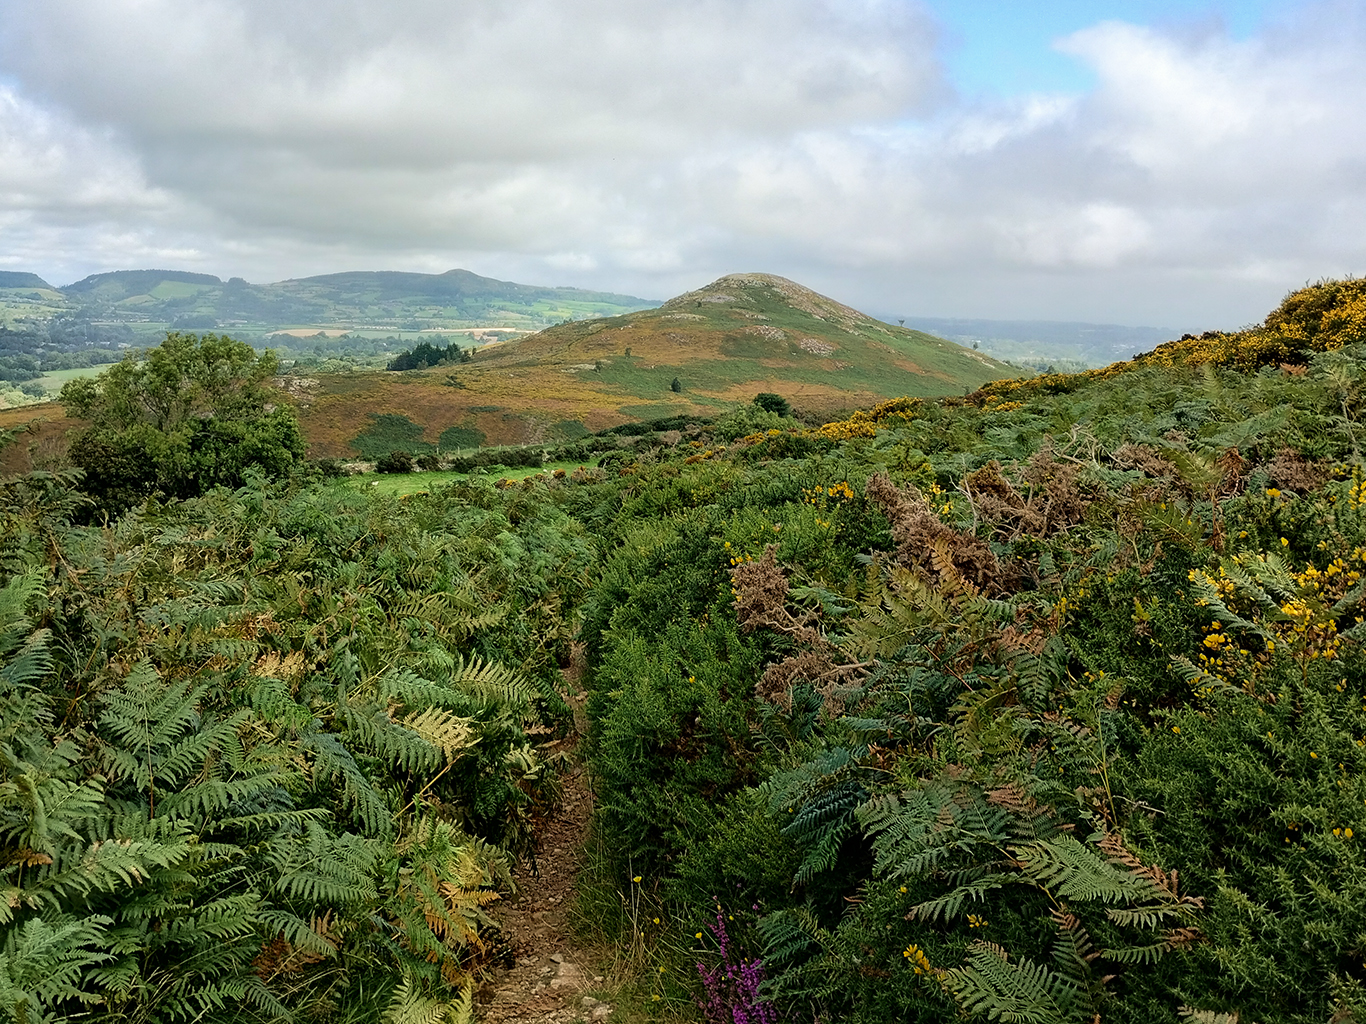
552,972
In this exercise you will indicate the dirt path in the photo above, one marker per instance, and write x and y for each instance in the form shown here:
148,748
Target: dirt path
552,972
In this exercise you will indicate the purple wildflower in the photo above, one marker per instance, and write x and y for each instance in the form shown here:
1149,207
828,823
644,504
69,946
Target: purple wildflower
731,987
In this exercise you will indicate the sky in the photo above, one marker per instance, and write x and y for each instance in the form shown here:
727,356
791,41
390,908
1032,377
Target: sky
1166,163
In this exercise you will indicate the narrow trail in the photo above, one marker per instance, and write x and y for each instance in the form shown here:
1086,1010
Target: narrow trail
552,972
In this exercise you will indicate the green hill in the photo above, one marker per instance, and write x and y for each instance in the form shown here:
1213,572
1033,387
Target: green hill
374,300
15,279
697,355
749,329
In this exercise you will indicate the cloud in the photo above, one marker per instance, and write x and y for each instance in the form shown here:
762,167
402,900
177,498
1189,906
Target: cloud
1201,179
372,81
50,165
395,114
648,144
62,184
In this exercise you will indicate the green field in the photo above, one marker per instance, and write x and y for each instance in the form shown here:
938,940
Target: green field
53,380
423,483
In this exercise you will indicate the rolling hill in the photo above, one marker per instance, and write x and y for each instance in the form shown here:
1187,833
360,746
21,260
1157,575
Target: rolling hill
697,354
152,301
15,279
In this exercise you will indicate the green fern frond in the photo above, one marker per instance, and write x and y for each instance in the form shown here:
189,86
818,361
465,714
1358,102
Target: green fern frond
75,872
1014,992
1079,872
448,733
333,762
324,870
44,965
16,597
791,935
917,832
490,681
950,905
375,732
410,1006
1211,1016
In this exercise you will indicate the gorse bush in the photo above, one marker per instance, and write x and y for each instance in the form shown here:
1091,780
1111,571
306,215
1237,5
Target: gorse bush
1077,731
1323,317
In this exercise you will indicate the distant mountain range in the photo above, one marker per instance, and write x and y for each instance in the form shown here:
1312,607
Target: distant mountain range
699,354
151,301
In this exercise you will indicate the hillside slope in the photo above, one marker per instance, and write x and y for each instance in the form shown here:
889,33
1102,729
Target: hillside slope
741,335
749,329
722,344
16,279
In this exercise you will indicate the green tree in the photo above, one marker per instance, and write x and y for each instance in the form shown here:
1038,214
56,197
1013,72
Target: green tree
770,402
191,414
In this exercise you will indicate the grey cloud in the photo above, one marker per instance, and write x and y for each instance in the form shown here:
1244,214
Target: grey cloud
475,125
647,146
1225,172
50,165
372,81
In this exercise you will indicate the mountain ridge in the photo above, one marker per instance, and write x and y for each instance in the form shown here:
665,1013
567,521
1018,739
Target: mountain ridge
152,301
22,279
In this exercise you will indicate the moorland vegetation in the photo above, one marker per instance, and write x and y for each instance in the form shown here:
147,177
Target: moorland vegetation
696,356
1042,704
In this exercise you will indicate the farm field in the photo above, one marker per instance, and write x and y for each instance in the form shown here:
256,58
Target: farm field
53,380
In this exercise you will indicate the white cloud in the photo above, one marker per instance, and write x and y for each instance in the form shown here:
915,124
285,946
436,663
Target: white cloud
1200,180
646,144
531,125
64,187
49,164
430,79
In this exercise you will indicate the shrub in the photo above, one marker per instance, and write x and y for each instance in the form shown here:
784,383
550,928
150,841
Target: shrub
394,462
192,414
769,402
329,468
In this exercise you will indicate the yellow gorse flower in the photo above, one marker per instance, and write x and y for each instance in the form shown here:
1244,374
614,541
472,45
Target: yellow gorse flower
920,963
